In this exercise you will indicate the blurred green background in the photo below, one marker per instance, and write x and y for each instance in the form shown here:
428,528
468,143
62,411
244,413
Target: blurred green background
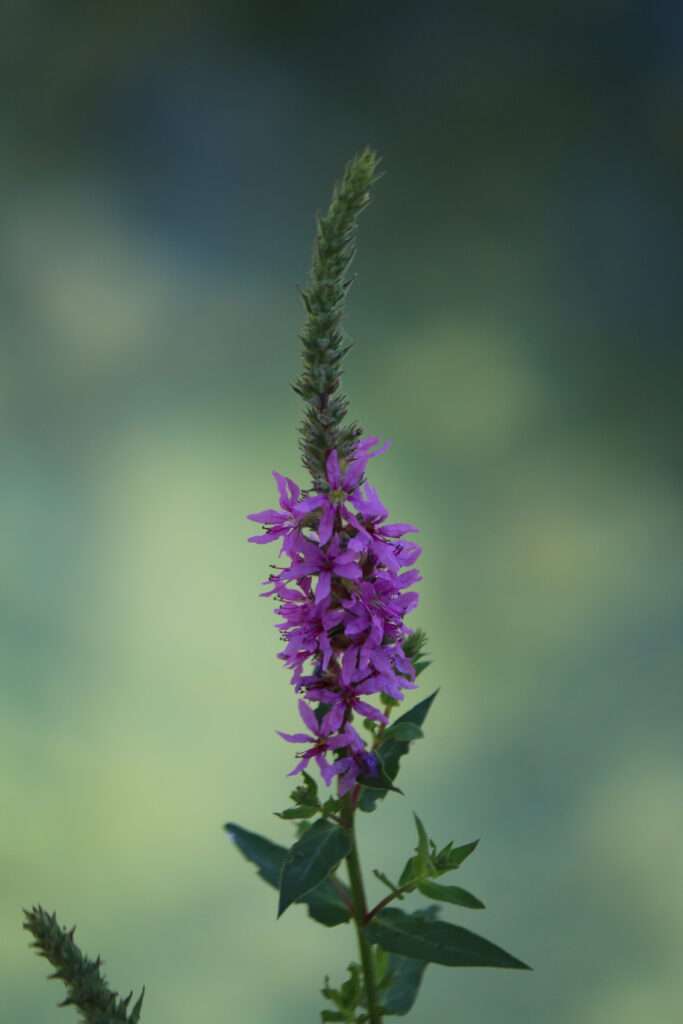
517,326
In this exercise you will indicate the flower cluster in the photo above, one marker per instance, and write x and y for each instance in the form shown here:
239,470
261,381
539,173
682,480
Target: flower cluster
342,600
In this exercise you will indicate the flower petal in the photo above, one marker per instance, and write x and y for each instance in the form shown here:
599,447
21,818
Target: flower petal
269,515
326,525
308,717
333,472
296,737
324,585
301,767
334,718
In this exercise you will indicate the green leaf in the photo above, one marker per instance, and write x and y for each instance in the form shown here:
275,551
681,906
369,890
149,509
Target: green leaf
312,858
379,782
405,732
331,806
390,750
294,813
348,998
381,962
420,865
422,860
405,975
436,941
307,793
325,904
451,858
409,873
414,645
449,894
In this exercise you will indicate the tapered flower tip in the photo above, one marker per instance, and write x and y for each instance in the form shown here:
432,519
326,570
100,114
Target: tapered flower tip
365,446
308,717
333,471
295,737
288,490
368,502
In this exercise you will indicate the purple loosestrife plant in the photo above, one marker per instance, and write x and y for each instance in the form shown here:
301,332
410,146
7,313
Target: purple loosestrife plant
343,593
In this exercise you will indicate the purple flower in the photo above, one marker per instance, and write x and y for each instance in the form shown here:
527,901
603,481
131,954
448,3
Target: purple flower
346,698
306,629
280,524
373,535
323,564
321,743
342,486
359,762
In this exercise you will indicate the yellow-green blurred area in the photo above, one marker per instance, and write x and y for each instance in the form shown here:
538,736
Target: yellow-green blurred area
516,320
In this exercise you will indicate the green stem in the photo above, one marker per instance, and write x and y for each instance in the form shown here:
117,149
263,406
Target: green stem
395,895
360,909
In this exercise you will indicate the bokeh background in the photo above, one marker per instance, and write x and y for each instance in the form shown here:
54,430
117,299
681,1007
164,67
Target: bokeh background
516,320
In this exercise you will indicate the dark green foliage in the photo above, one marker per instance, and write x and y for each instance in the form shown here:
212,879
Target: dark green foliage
449,894
305,800
397,979
324,347
293,813
414,647
379,782
327,903
436,941
405,975
451,857
428,863
347,999
312,858
391,749
405,732
86,986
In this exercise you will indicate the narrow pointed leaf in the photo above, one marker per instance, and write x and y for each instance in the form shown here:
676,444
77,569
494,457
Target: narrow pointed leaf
295,813
325,903
405,976
391,750
404,732
436,941
422,860
137,1009
410,872
312,858
449,894
450,859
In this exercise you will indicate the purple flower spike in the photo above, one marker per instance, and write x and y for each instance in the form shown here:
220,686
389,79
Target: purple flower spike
342,600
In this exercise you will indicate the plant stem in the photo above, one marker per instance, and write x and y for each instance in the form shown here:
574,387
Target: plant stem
369,914
360,909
